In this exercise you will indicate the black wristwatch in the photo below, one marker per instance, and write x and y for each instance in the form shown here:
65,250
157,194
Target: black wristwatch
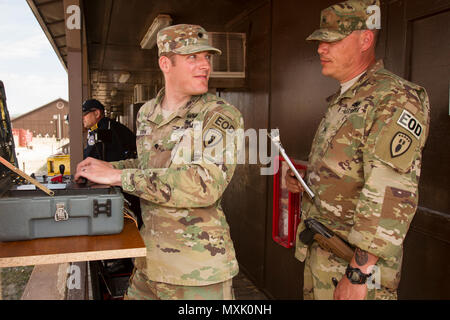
356,276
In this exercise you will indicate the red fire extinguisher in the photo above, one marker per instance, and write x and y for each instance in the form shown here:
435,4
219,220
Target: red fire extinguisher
286,206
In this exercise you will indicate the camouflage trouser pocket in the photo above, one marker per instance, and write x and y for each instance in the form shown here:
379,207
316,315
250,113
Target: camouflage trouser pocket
320,267
141,288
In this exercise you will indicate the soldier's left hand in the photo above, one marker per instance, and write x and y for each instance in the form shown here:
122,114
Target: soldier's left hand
345,290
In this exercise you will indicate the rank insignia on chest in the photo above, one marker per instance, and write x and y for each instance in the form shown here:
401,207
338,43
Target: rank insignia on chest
354,108
400,144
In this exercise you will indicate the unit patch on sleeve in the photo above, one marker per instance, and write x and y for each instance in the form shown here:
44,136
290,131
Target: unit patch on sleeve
217,128
398,142
223,123
212,137
411,124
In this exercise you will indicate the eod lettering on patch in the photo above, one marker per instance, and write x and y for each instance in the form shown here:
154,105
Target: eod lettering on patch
218,127
411,124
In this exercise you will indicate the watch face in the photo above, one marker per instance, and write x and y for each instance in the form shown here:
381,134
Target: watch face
355,277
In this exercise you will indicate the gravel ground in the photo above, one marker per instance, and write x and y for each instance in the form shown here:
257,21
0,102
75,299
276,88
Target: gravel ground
13,282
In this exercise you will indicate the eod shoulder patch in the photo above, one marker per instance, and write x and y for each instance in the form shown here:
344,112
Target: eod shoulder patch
410,123
216,129
399,141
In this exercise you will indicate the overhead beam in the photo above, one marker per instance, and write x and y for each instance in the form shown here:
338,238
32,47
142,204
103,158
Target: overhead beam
47,32
55,22
105,30
43,4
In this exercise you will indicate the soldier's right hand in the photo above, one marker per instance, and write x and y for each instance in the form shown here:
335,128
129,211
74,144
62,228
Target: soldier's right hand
95,167
292,183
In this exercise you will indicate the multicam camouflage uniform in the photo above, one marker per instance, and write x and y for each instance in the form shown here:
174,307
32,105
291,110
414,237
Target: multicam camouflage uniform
364,168
184,228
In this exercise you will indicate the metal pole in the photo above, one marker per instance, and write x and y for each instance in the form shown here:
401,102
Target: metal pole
276,141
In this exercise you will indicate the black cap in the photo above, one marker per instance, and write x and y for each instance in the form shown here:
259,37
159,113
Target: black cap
91,105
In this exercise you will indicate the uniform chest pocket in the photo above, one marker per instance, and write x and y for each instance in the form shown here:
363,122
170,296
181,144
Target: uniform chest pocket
329,132
343,149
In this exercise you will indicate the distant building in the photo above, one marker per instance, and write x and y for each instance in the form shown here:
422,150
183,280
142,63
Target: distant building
47,120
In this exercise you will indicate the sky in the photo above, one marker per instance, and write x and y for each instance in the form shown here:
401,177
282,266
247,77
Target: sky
29,68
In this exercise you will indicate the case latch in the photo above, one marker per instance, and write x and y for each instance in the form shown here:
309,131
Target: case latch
102,208
61,213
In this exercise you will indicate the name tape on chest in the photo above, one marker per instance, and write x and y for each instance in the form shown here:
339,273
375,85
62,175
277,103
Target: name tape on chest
410,123
144,131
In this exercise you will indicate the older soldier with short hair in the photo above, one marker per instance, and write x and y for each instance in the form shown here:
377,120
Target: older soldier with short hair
190,254
365,161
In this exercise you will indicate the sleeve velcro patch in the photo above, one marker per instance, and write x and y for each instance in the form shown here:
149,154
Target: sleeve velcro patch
411,124
399,142
217,128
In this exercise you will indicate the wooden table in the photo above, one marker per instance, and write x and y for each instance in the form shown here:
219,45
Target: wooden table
127,244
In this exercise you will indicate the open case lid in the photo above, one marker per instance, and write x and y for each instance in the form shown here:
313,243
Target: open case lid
7,148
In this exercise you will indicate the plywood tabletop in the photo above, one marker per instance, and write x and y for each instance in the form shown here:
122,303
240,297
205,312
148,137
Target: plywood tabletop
127,244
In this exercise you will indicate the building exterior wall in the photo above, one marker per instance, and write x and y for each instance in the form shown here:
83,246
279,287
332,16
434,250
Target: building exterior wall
46,120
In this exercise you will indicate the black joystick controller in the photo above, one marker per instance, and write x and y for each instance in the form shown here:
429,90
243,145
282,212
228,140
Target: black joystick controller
62,168
59,178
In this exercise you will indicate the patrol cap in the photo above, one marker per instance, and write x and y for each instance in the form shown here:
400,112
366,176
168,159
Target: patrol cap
340,20
91,105
184,39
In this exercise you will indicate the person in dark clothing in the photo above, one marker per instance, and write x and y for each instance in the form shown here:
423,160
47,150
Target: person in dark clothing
107,139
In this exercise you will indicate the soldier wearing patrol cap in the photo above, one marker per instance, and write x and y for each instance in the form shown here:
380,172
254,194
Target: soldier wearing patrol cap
365,161
190,254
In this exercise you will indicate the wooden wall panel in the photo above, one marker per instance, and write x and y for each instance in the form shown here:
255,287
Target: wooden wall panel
245,199
419,47
291,94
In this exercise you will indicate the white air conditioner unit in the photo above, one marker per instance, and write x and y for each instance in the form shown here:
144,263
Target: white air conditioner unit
141,93
231,64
